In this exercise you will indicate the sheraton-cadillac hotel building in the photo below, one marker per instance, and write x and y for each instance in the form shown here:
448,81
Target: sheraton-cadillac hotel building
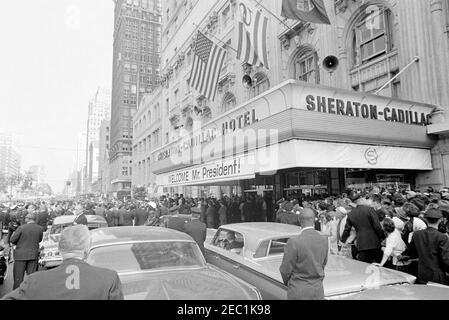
304,127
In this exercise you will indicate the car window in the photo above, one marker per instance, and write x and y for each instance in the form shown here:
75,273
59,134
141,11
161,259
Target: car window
262,249
56,229
147,256
230,241
277,246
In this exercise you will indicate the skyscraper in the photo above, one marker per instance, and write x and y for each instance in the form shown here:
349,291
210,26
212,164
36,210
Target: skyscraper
136,61
10,159
99,110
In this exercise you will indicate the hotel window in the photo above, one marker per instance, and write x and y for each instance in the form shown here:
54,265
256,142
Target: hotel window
229,102
306,66
372,37
261,84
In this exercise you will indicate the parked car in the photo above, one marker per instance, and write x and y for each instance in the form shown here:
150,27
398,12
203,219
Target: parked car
405,292
257,256
50,256
162,264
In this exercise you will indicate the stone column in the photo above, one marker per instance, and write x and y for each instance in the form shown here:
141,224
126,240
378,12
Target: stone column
440,53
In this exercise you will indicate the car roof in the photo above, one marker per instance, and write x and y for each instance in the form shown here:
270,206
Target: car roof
256,232
115,235
71,219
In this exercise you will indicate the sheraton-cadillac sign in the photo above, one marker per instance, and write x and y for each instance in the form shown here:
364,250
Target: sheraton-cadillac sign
306,97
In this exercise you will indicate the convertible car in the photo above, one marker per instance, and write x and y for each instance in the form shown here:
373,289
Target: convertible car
50,256
254,251
163,264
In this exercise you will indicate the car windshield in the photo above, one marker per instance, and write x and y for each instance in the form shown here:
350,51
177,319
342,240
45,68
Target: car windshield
147,256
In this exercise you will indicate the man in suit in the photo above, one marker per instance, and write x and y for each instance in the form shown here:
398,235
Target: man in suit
432,250
74,279
305,257
369,233
198,231
140,216
231,243
80,217
26,255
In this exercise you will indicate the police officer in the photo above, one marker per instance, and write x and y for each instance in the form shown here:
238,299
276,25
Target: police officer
431,247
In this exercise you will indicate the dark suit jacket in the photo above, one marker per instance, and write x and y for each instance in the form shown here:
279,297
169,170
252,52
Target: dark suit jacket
366,223
81,219
72,280
302,268
26,239
176,223
431,247
198,231
140,216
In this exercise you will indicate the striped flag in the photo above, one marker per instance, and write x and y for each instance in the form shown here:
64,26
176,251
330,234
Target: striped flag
252,35
207,63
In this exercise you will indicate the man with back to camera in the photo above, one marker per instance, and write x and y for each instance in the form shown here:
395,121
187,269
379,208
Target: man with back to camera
369,233
26,254
74,279
305,257
431,247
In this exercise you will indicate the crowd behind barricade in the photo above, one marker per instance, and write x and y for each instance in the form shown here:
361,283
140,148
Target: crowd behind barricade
374,226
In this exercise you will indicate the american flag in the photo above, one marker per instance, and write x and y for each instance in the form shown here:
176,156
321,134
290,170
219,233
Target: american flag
207,64
252,36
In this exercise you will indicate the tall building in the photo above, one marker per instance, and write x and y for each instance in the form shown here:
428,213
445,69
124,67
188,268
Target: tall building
137,33
103,167
381,117
80,165
99,110
38,173
10,159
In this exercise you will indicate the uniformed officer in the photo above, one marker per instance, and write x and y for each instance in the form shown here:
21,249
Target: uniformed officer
431,247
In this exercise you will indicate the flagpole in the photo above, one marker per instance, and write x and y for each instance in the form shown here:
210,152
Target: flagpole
227,45
272,14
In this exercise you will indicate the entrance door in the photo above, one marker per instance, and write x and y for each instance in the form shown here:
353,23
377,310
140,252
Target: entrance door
445,162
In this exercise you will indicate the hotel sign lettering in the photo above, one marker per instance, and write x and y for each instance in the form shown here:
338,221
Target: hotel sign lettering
240,121
366,110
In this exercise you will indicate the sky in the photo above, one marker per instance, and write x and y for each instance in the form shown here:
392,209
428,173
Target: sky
54,56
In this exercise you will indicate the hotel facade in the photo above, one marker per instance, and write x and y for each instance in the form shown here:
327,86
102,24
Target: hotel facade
301,129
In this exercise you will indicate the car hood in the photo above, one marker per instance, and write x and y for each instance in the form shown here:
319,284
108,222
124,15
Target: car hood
195,284
343,275
404,292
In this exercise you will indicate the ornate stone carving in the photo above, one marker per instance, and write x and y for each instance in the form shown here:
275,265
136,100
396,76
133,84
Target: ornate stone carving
247,68
285,42
341,5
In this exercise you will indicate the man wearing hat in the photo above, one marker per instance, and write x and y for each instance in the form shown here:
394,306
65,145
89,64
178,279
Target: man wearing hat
26,239
432,250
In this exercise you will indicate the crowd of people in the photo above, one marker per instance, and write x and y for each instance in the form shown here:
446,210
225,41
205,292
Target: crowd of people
400,229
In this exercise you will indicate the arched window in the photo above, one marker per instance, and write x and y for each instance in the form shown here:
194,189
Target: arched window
149,117
261,84
372,35
372,50
304,65
229,102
